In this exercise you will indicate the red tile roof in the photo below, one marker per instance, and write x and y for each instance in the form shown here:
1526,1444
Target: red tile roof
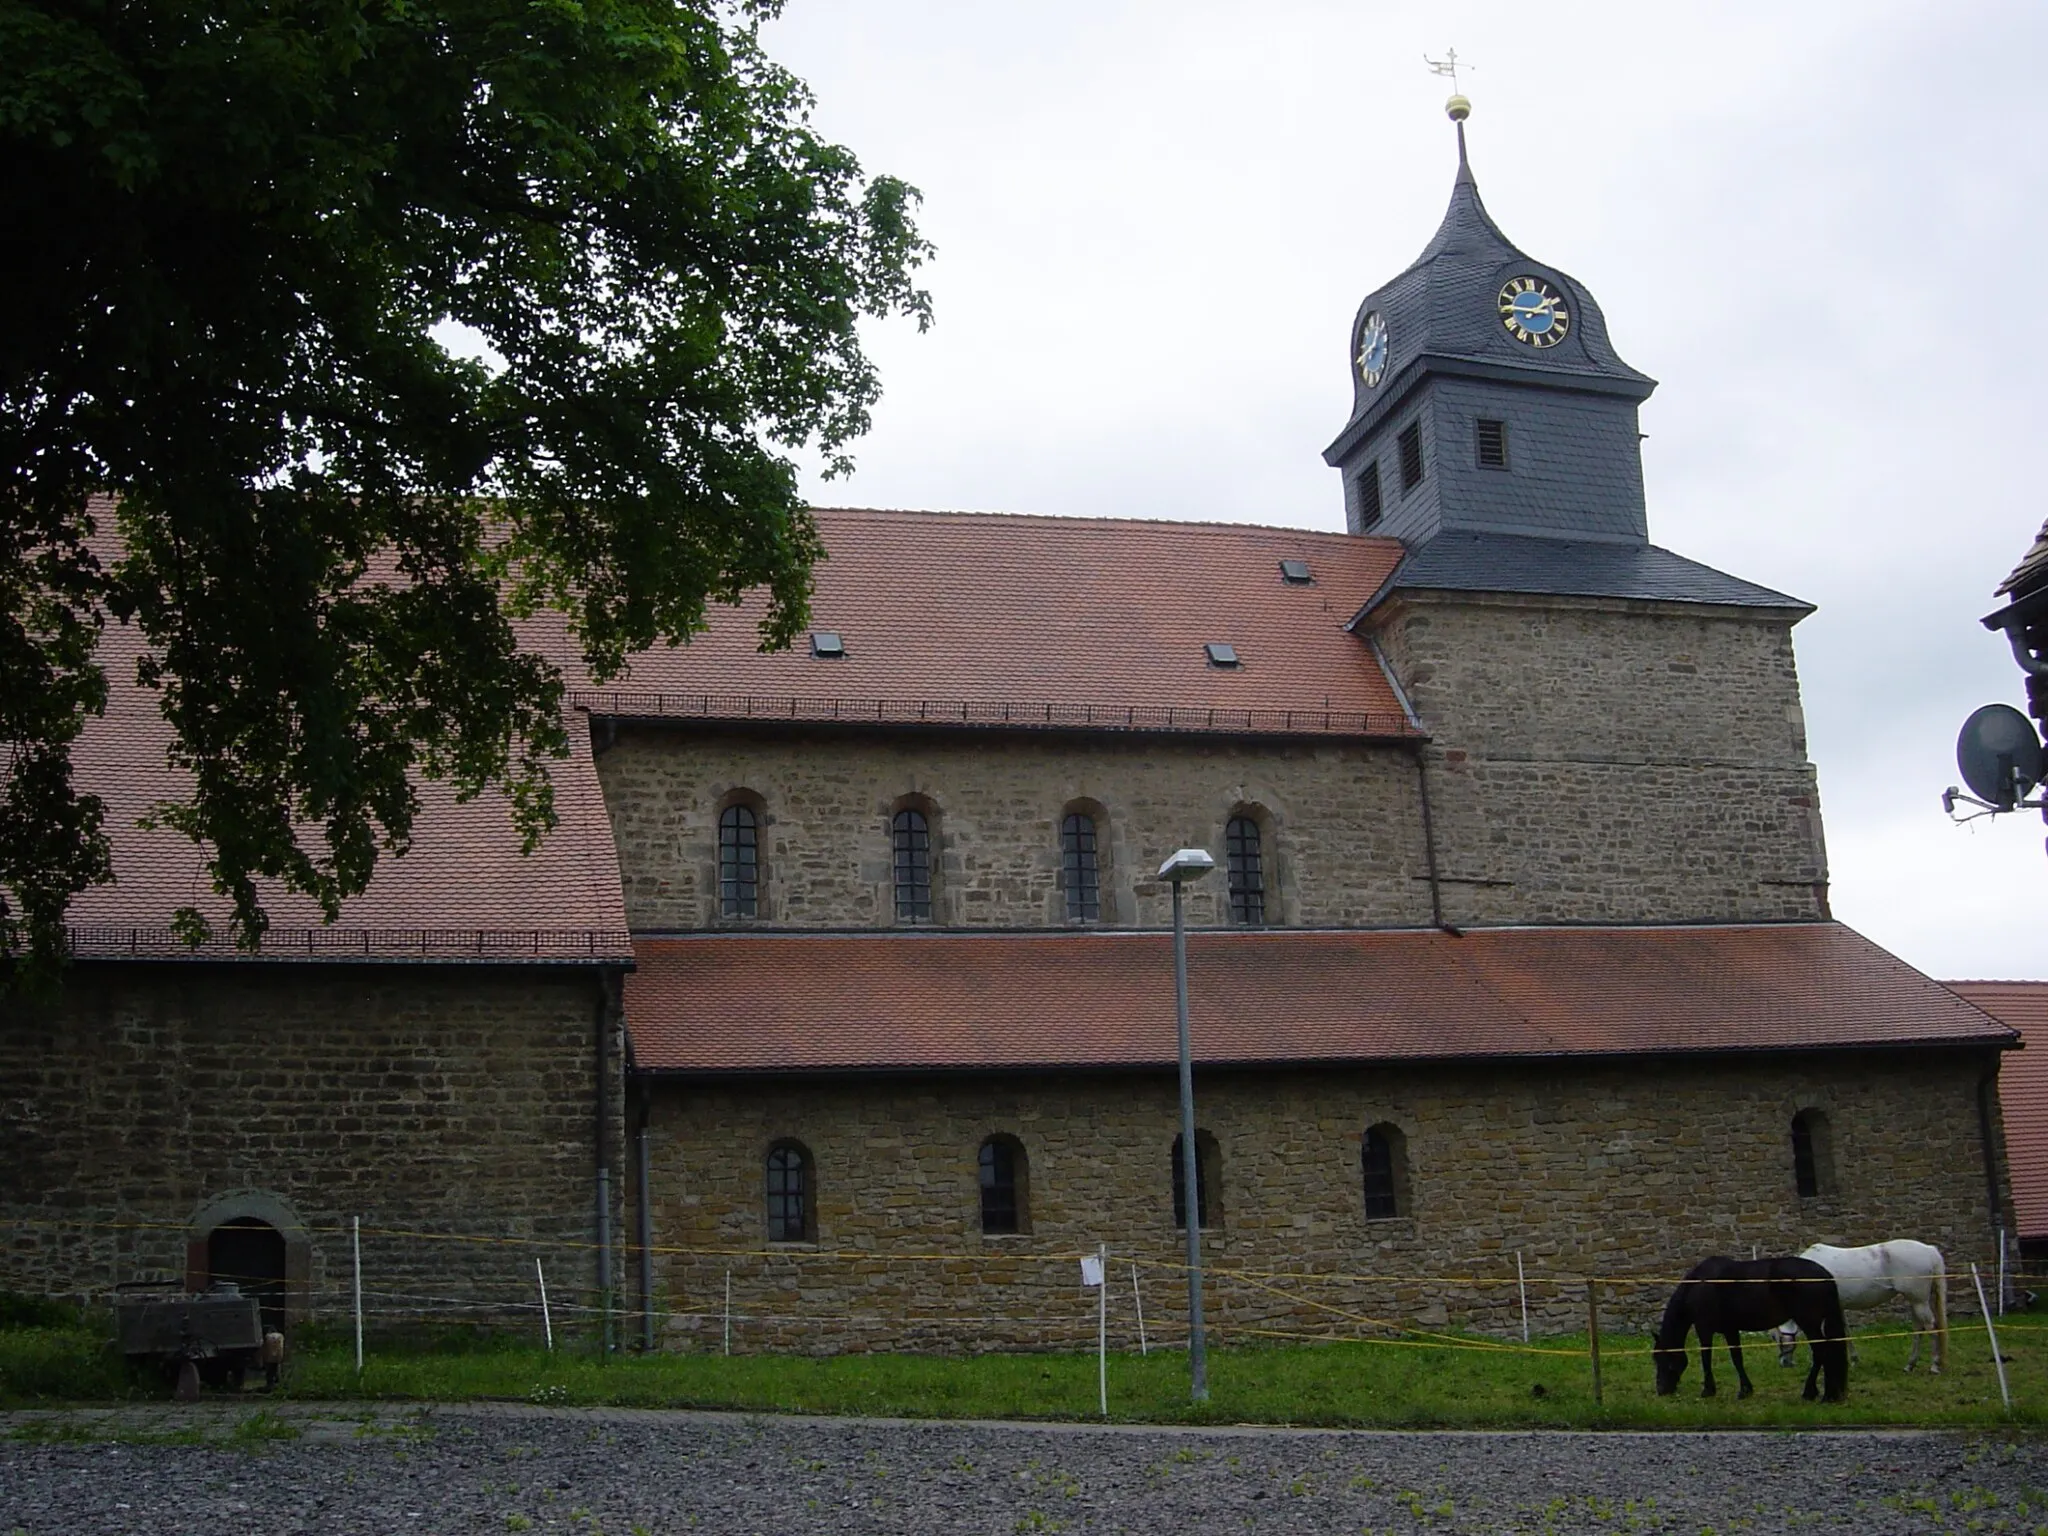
853,1002
462,892
2022,1091
997,620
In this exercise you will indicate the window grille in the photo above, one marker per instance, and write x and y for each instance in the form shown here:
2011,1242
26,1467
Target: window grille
1081,873
1001,1207
1493,444
1246,872
739,862
1204,1157
1411,456
789,1194
1382,1195
912,835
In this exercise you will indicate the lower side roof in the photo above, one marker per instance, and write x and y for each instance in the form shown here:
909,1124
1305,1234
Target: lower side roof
2022,1092
981,1001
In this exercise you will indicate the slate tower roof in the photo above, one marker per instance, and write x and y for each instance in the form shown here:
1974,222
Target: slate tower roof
1493,428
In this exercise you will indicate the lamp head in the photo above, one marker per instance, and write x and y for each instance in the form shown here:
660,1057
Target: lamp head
1187,864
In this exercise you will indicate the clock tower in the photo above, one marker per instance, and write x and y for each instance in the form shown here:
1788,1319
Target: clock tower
1487,398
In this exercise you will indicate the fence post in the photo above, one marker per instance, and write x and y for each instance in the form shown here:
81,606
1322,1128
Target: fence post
1593,1330
1102,1329
728,1311
1992,1333
1522,1285
1139,1297
547,1321
355,1244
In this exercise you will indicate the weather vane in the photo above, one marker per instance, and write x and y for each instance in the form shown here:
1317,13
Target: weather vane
1447,65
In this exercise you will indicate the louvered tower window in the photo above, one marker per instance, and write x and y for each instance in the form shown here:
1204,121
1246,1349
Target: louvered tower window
1493,444
1080,871
912,836
1370,507
1246,869
739,862
1410,442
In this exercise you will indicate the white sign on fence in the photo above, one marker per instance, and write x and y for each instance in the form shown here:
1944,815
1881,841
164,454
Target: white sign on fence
1091,1270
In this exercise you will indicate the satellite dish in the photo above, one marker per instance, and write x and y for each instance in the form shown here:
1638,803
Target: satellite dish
1999,754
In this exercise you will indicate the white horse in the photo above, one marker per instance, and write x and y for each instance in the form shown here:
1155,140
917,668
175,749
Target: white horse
1868,1277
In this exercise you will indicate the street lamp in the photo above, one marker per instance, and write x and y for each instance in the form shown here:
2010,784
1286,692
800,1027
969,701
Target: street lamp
1185,865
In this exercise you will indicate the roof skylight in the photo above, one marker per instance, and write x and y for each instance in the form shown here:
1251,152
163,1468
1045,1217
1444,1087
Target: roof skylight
1296,573
827,645
1221,654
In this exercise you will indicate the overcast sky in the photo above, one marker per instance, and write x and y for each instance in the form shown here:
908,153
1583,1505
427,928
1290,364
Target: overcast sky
1819,225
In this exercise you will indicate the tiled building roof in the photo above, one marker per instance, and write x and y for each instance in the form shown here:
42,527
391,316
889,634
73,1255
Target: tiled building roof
1021,622
463,892
2022,1091
1032,1001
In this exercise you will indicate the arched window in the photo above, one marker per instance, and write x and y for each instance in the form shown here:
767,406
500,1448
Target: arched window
1004,1207
1080,869
1813,1154
739,862
911,834
792,1213
1384,1154
1208,1186
1247,871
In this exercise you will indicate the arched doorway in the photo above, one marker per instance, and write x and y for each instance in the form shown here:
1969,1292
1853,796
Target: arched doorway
250,1253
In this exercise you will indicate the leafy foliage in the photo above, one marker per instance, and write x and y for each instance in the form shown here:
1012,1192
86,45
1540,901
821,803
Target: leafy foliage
232,231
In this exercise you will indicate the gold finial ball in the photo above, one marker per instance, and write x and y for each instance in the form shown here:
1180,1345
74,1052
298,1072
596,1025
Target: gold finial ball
1457,109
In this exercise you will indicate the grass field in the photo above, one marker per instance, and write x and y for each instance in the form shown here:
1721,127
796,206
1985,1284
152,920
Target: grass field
1360,1384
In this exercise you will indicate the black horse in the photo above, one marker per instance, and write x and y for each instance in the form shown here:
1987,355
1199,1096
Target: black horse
1731,1297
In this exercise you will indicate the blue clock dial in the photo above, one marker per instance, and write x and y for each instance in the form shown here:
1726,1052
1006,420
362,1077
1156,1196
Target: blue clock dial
1372,349
1534,312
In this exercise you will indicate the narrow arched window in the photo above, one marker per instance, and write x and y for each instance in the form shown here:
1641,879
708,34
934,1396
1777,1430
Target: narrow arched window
1206,1183
911,834
1246,868
1080,869
1003,1186
1384,1156
791,1215
739,862
1813,1154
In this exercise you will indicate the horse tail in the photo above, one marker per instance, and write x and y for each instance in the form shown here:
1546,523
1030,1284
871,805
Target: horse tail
1938,1294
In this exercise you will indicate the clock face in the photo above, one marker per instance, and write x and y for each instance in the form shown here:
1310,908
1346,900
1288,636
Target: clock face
1372,349
1534,312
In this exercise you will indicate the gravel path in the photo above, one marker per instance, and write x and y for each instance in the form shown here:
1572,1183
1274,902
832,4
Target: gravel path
490,1468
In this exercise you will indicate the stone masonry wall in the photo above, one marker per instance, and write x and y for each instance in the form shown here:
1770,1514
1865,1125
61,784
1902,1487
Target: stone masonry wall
425,1100
1629,1171
1612,762
1343,827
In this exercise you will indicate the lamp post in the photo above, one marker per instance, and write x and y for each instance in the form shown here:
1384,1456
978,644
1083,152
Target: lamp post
1185,865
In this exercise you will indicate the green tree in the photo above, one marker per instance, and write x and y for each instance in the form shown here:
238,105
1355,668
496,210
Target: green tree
229,232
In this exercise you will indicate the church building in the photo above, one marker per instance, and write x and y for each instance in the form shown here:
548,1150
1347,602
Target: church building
846,991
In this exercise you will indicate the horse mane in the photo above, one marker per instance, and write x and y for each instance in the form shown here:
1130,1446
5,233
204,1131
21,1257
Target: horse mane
1677,1319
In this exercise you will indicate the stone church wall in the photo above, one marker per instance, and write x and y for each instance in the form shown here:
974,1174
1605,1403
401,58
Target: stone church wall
1342,821
1627,1171
1612,762
153,1100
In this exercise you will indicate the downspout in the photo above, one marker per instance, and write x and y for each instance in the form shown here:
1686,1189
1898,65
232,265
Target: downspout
1436,892
645,1211
1417,745
1987,1086
607,993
